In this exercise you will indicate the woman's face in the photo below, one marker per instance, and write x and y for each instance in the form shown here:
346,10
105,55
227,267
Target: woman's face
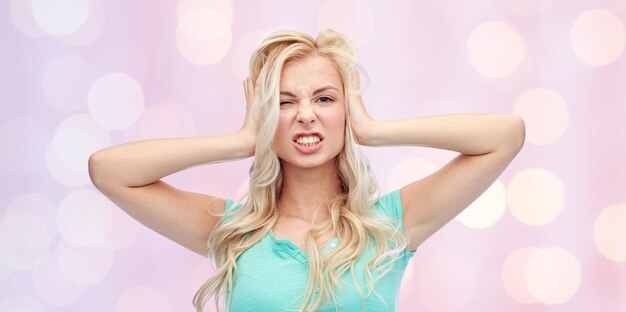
311,125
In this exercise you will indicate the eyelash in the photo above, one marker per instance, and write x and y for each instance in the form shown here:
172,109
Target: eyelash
329,100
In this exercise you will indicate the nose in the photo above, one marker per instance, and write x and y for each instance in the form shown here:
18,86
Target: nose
306,115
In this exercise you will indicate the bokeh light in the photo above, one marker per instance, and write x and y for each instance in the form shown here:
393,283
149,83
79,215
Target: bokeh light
162,121
495,49
597,37
66,82
535,196
545,115
115,100
514,274
84,265
76,138
24,241
487,209
609,232
553,275
84,218
203,36
91,29
60,17
51,285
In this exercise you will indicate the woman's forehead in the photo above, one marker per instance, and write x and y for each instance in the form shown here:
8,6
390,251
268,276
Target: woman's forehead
308,75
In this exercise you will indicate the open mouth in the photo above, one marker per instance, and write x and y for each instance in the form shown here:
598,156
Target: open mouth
310,140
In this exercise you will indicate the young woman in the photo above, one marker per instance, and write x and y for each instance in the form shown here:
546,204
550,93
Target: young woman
312,234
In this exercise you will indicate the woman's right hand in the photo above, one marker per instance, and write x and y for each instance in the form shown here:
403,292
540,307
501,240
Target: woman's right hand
249,128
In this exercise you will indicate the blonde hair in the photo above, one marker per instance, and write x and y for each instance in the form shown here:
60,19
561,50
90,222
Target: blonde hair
353,220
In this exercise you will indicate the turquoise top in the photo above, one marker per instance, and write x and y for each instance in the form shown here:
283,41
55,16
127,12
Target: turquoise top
273,274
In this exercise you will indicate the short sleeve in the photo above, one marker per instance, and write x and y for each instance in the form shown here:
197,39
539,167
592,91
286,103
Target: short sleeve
229,209
390,205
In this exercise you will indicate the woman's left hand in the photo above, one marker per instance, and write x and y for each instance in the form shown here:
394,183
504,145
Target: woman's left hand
359,118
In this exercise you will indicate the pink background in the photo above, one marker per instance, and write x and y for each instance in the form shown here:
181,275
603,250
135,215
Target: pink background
81,75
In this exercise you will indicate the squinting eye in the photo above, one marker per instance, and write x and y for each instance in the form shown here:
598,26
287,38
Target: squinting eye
281,103
325,97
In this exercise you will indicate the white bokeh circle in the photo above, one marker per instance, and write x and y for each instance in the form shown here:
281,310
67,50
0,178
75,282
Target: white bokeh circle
60,17
115,100
66,81
495,49
24,241
597,37
535,196
53,287
553,275
84,218
545,114
609,232
487,209
67,155
203,36
84,265
514,274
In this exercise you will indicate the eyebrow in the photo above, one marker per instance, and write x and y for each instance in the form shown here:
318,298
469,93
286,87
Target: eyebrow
314,93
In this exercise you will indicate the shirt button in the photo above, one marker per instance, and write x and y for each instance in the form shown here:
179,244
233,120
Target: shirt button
317,289
332,245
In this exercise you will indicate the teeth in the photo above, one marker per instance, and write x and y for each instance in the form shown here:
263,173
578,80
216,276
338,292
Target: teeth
308,140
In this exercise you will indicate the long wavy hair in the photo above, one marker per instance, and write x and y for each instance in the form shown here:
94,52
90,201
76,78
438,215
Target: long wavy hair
352,219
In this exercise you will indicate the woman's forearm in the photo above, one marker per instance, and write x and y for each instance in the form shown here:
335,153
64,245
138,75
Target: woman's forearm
144,162
470,134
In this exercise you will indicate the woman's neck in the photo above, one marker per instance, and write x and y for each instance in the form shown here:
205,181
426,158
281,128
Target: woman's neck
307,192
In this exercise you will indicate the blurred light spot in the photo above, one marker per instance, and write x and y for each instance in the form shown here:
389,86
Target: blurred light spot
92,28
222,7
25,241
23,19
241,52
124,229
553,275
60,17
545,115
115,101
26,138
527,8
203,36
597,37
162,121
495,49
53,287
66,82
84,265
609,232
76,138
513,274
352,18
535,196
487,209
145,298
84,218
21,303
408,171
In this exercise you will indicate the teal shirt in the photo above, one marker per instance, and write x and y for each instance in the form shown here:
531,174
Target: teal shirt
273,274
